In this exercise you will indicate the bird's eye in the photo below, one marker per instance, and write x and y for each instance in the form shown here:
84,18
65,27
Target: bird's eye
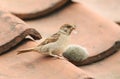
65,29
68,26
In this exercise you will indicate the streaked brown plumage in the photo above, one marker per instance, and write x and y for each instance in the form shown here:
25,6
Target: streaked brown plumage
54,45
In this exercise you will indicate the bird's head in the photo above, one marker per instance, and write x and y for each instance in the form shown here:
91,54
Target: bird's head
67,29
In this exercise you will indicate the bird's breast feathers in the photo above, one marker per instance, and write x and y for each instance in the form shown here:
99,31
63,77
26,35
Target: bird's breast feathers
57,46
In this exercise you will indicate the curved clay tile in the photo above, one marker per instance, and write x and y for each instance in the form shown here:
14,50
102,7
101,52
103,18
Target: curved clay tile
28,9
33,65
95,33
13,30
107,8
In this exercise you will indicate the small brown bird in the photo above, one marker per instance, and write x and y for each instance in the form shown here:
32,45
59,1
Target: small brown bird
54,45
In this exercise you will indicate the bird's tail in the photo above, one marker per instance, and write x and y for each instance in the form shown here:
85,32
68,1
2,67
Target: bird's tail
25,50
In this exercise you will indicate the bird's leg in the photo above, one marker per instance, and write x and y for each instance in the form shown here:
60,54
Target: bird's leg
56,56
61,56
51,54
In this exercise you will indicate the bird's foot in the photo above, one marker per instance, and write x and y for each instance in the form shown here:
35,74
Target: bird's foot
57,56
61,57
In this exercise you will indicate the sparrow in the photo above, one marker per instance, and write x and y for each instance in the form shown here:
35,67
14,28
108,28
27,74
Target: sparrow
54,45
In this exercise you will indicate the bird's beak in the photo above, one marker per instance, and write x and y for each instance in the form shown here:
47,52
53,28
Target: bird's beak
74,27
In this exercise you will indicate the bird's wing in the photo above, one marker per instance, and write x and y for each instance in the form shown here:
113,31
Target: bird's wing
51,39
